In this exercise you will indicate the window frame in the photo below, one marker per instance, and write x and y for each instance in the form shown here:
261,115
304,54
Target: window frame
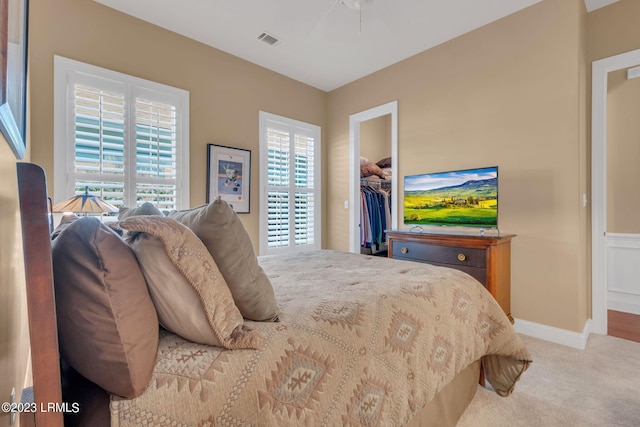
67,70
308,130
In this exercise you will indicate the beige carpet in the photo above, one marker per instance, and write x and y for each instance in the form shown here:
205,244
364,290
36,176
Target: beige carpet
595,387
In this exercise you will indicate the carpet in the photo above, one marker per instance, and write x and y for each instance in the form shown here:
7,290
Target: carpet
595,387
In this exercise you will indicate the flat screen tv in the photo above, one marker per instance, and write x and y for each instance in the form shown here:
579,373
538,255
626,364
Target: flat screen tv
465,198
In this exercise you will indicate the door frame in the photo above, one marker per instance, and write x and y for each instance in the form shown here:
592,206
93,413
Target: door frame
599,82
354,168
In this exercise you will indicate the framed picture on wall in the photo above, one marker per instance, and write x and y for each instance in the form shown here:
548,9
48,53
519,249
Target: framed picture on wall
229,176
13,73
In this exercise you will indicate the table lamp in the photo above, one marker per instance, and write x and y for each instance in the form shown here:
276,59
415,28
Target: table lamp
84,203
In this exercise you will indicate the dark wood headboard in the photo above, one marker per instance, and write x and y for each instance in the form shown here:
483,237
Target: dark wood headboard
45,361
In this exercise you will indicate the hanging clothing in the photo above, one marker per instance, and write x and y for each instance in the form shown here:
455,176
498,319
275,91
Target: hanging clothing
375,216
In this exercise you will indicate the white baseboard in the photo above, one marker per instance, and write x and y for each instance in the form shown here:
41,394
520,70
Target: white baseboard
556,335
624,303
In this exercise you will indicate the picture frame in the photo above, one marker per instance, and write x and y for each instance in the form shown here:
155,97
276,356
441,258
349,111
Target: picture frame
229,176
13,73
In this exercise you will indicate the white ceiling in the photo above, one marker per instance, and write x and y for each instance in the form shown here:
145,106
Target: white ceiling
324,43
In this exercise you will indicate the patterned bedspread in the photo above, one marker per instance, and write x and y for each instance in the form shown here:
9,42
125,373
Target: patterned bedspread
362,341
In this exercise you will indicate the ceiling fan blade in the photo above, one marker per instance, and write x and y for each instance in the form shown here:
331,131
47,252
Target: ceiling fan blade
346,20
319,29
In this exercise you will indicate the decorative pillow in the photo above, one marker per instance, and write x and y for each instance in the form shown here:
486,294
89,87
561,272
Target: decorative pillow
107,325
191,297
144,209
222,232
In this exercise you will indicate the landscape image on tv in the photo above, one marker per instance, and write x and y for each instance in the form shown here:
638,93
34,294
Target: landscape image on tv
458,198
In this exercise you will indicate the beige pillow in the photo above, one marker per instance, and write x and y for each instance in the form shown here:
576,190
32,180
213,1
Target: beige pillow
222,232
144,209
190,295
107,324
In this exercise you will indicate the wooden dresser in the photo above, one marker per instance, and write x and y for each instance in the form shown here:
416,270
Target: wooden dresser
487,258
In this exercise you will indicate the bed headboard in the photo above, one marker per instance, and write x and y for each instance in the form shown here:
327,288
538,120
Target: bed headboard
45,361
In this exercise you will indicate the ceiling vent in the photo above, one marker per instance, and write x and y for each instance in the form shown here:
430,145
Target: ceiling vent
268,39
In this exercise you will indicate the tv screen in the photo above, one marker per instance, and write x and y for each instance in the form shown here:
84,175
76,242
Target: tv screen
467,198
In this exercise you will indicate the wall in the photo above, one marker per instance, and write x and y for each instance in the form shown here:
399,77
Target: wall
510,94
613,29
375,138
623,152
14,335
226,92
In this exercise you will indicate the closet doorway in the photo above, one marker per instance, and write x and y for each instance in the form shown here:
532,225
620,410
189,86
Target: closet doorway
358,126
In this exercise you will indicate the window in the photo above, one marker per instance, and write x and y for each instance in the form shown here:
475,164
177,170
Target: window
124,138
290,185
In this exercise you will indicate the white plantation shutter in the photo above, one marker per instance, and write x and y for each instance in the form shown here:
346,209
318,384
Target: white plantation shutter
99,143
278,178
290,194
124,138
156,148
304,209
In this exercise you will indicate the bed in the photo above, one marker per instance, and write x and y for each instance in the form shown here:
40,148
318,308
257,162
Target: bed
358,341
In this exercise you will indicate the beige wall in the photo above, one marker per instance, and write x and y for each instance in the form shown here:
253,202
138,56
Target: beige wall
226,92
375,138
623,153
14,335
613,29
509,94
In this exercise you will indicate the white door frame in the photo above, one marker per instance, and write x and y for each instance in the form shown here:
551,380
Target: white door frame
354,168
599,82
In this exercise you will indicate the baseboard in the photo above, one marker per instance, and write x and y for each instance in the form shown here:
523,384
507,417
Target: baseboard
549,333
630,304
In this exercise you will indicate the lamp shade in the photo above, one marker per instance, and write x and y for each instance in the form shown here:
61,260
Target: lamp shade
84,203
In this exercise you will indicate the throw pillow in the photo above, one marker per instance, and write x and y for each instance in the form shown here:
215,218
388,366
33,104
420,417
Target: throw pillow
191,297
144,209
107,324
226,239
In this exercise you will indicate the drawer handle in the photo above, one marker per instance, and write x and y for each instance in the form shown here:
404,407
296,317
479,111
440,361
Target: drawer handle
404,250
462,257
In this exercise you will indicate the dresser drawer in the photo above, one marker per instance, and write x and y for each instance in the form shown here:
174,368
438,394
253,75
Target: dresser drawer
470,257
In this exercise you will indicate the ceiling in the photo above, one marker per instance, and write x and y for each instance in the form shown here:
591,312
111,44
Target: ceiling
324,43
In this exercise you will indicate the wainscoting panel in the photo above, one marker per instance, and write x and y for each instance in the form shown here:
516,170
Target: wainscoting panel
623,272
